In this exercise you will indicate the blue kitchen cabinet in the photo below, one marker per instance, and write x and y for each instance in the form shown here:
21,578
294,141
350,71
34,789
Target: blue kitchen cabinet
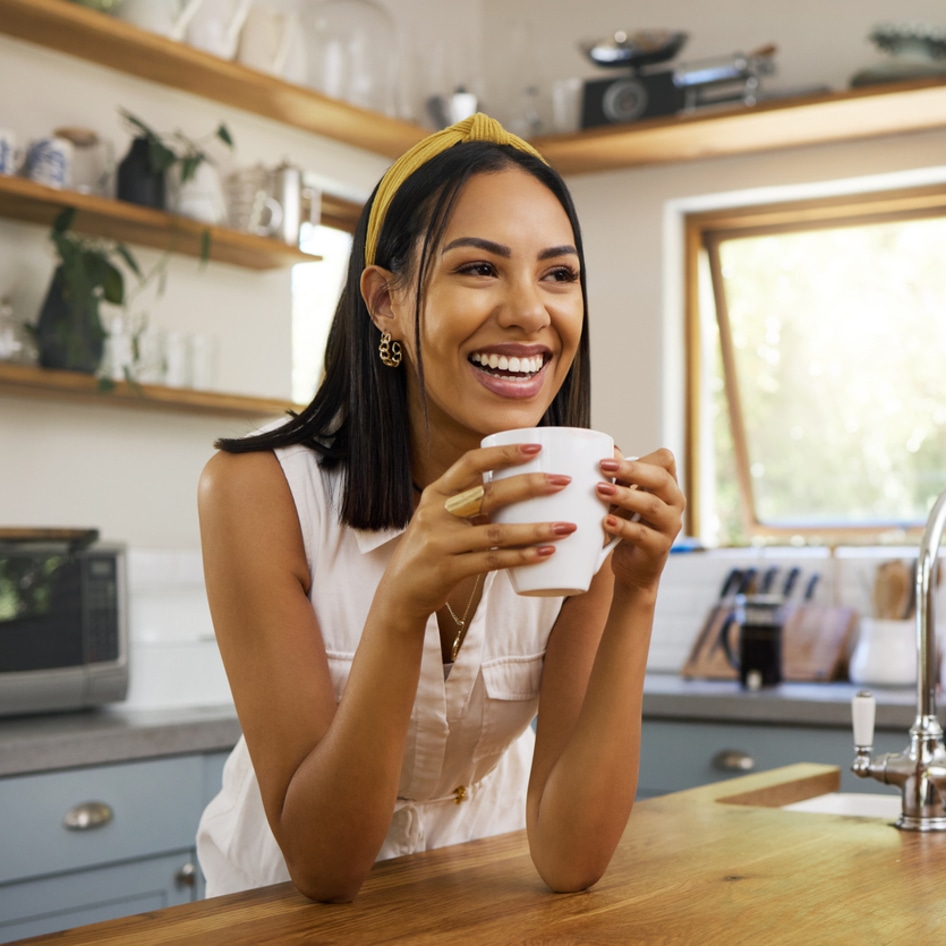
676,755
130,849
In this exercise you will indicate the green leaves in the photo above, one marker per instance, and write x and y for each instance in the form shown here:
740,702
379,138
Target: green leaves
166,151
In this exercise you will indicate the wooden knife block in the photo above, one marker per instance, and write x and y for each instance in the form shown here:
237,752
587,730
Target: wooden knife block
816,642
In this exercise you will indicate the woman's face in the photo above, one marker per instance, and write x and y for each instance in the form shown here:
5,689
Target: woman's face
502,313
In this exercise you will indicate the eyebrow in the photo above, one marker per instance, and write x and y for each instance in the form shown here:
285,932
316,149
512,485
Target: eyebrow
499,249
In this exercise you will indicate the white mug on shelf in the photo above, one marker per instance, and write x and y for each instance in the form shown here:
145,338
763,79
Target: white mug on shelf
272,41
49,161
216,27
9,153
168,18
201,196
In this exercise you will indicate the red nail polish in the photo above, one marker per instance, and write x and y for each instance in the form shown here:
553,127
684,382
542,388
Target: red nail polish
530,449
612,466
545,550
557,479
564,528
608,489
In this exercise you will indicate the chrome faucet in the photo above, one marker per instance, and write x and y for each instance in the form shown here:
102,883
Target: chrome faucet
920,770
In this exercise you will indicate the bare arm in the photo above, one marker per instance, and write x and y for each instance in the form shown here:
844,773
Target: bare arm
585,769
328,775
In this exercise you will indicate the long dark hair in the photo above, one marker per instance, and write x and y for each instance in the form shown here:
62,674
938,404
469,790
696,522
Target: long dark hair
358,417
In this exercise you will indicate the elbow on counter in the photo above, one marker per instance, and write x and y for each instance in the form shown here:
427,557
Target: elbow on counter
571,878
336,886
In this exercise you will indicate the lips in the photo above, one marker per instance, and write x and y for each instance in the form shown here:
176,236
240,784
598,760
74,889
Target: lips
509,373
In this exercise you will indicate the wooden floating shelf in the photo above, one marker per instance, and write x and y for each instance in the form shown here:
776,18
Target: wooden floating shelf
78,388
22,199
867,112
109,41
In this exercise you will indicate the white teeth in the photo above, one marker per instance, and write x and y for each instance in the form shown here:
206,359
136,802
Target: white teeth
512,364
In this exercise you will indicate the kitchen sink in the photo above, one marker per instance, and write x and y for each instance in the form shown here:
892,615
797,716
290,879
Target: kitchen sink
852,804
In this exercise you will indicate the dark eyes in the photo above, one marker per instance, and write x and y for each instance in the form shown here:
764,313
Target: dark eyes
564,274
478,269
556,274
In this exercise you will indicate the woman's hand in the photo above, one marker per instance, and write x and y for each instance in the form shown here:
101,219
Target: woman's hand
439,549
646,512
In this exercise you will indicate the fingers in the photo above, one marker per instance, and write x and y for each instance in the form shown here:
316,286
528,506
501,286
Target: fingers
466,495
644,489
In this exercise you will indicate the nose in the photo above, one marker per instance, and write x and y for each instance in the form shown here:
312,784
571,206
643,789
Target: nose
524,308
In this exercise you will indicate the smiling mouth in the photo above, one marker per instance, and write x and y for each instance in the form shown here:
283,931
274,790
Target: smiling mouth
508,367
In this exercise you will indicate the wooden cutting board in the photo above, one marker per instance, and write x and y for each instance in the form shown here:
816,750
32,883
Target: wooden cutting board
815,645
816,642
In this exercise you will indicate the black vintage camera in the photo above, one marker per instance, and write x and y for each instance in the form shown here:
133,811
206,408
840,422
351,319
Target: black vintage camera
628,98
646,92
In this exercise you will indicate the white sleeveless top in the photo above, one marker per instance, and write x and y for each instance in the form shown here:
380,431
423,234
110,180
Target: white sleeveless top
469,736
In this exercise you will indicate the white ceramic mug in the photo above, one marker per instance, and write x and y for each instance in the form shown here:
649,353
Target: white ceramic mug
9,153
885,654
574,452
168,18
49,161
272,42
216,26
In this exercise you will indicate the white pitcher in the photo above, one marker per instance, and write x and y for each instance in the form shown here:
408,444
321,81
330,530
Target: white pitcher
216,26
272,42
169,18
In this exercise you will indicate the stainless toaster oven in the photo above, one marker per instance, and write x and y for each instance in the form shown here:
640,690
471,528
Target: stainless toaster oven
63,620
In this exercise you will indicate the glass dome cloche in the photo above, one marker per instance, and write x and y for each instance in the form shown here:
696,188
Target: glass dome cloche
353,52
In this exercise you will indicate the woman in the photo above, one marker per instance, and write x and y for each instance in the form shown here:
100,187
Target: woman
383,670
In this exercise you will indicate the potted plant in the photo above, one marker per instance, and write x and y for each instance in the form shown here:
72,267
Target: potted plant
153,158
69,332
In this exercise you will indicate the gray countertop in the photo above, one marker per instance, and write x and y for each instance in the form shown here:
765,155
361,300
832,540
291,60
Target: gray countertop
118,734
112,734
668,696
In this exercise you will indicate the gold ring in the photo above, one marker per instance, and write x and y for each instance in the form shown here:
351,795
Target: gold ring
466,505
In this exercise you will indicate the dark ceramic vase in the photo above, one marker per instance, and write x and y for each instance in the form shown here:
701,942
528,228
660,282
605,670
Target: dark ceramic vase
68,336
137,182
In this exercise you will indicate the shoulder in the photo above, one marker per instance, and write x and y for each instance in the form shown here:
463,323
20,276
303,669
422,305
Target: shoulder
234,477
247,515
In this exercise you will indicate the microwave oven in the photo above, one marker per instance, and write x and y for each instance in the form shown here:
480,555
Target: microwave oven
63,621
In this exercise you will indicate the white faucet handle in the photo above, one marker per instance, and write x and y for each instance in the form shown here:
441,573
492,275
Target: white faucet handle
863,713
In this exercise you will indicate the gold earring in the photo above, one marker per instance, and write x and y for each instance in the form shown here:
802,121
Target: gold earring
390,351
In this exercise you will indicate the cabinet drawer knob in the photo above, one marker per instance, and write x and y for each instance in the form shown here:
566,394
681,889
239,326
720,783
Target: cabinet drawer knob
88,815
187,875
733,760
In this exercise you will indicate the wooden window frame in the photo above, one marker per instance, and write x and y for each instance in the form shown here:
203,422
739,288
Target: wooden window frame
703,234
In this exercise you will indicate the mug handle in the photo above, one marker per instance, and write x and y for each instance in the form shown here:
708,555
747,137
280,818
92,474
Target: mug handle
264,204
609,546
605,551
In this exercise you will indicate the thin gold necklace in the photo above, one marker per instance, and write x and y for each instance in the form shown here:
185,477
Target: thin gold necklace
461,622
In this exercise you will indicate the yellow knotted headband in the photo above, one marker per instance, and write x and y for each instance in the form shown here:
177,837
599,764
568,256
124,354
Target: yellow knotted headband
478,127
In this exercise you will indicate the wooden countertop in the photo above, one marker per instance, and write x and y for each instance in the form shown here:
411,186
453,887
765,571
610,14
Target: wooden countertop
719,864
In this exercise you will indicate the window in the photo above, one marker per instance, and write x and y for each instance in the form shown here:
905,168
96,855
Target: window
817,367
316,288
